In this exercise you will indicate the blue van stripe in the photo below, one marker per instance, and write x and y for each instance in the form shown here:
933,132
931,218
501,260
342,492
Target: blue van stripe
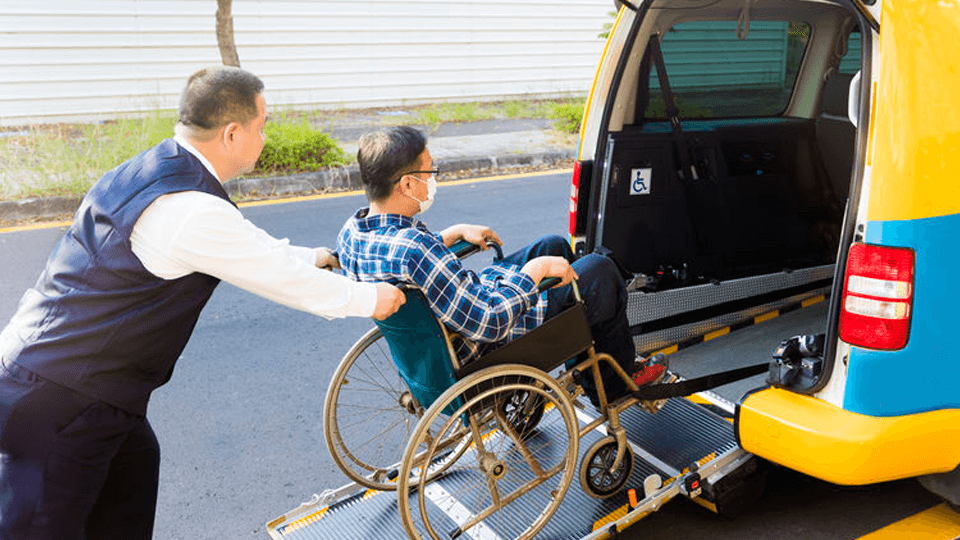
924,375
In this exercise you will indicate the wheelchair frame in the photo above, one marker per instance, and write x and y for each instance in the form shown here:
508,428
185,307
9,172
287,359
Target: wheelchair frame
459,433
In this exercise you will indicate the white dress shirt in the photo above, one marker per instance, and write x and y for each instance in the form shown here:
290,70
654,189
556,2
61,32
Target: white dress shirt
192,231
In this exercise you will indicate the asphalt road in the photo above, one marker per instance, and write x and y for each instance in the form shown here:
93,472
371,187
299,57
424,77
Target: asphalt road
239,422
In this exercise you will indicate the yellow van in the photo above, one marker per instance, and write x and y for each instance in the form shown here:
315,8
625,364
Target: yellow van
795,157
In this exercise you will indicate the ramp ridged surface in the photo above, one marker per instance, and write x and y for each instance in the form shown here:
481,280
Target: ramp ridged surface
683,432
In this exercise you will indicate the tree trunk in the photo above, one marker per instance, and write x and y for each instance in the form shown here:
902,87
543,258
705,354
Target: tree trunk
228,49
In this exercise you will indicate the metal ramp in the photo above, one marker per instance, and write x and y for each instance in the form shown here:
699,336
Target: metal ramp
676,451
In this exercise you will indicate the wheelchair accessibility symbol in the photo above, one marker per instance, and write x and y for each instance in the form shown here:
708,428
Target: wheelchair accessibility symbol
640,181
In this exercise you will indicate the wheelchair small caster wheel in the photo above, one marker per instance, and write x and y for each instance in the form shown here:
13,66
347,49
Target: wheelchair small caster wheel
595,475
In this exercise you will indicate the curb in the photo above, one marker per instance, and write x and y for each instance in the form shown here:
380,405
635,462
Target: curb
39,208
338,179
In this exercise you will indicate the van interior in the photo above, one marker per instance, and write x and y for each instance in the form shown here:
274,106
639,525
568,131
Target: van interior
729,147
724,173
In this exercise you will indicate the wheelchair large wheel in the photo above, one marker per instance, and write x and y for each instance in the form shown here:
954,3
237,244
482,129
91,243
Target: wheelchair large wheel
508,478
369,415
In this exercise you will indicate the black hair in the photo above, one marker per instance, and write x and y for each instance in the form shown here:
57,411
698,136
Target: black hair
217,96
385,155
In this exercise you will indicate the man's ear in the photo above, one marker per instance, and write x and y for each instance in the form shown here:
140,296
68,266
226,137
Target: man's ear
404,185
229,134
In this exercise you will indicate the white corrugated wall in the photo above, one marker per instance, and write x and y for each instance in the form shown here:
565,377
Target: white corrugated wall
94,59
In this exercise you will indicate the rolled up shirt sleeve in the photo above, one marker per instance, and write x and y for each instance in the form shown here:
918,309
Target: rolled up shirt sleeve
196,232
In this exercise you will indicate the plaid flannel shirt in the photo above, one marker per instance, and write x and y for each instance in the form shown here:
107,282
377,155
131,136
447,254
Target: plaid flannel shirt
481,309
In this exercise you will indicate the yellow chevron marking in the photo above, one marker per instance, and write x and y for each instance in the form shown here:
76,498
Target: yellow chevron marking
766,316
612,516
706,459
756,320
936,523
705,503
303,522
716,333
669,350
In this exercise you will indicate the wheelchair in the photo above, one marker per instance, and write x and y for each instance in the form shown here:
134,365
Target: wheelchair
503,433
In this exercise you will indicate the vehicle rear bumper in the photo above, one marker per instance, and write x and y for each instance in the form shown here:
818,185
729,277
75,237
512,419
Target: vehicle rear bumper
839,446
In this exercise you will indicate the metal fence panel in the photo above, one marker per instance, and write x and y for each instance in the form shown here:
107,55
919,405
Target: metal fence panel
67,60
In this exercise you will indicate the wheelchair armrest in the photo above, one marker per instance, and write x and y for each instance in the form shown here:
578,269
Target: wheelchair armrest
463,249
547,283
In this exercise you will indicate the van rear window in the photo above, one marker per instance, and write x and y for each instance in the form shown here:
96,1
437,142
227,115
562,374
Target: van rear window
850,63
717,72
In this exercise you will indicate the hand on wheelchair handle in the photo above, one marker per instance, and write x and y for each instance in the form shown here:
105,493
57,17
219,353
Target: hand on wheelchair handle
389,300
327,259
550,266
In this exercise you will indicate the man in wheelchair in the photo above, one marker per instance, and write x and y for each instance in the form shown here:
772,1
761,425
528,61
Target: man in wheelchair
384,242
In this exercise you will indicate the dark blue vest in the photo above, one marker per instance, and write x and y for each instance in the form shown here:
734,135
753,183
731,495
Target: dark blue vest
97,321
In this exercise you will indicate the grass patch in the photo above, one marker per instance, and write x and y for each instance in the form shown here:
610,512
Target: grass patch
66,159
567,116
442,113
297,147
435,115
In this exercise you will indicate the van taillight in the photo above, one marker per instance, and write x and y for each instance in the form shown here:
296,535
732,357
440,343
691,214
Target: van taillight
877,297
574,191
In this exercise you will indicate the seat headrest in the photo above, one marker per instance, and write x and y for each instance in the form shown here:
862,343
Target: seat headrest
835,93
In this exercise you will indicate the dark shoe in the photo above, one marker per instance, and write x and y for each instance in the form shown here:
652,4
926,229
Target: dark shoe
651,370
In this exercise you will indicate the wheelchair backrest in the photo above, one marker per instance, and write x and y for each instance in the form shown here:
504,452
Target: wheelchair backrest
419,348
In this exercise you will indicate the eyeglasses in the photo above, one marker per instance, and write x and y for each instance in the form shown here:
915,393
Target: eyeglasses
408,173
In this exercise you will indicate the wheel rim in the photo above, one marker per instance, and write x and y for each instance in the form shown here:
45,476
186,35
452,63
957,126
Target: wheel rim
366,422
500,463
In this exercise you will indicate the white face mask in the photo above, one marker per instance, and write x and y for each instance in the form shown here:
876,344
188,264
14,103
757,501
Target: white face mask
431,193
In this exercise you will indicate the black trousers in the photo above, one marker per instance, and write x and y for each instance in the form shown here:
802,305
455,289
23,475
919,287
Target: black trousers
605,298
72,467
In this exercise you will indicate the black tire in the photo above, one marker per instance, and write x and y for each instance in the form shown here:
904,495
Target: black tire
944,485
595,475
523,410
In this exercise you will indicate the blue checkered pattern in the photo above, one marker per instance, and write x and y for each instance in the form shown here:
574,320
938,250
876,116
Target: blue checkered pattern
497,305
